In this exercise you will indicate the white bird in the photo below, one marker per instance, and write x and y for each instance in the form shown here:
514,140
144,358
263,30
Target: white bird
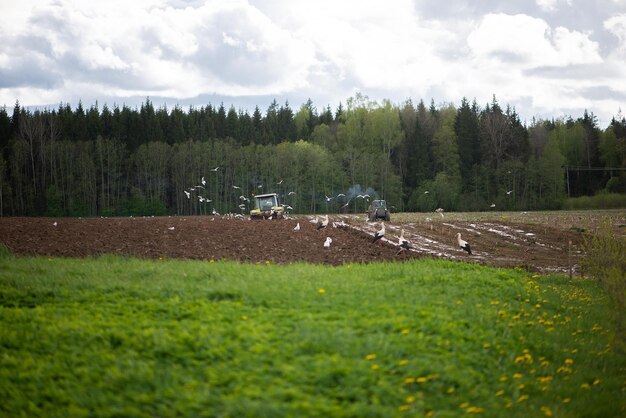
403,242
323,224
215,213
341,194
380,233
242,197
187,193
297,227
199,186
426,192
328,199
463,244
236,187
215,169
439,211
280,182
55,224
171,228
290,193
328,241
493,205
203,181
509,192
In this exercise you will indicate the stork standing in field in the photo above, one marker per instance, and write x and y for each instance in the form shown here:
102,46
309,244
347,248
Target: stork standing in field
463,244
380,233
323,223
403,242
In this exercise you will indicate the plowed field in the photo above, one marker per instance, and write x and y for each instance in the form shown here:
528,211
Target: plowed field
546,246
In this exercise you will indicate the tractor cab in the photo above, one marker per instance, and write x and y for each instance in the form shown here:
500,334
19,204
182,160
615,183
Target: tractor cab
266,206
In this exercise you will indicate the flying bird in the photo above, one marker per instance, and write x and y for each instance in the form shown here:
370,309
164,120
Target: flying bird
463,244
323,223
280,182
215,169
509,192
328,199
187,193
297,227
341,194
236,187
203,181
426,192
380,233
493,205
290,193
328,241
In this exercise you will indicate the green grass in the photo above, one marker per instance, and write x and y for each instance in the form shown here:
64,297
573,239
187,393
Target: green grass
116,336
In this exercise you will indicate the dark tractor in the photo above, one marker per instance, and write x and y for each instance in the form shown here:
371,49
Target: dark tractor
378,210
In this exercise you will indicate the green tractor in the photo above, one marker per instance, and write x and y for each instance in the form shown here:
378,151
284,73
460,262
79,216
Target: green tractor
266,206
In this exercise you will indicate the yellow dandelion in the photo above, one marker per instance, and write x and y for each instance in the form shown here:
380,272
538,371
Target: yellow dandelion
509,404
403,362
500,393
517,376
409,380
244,317
464,405
405,331
585,386
504,378
211,261
474,410
375,367
596,382
459,302
569,361
535,276
404,408
321,290
450,390
421,380
430,414
267,262
370,357
566,400
410,399
546,411
522,398
519,359
486,345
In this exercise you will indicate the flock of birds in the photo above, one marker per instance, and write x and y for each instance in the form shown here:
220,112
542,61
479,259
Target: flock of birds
403,243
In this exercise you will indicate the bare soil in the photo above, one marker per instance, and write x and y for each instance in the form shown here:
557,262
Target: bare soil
535,247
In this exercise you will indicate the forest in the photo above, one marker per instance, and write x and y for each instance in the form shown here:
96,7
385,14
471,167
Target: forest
124,161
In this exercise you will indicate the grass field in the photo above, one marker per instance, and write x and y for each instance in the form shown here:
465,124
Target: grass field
114,336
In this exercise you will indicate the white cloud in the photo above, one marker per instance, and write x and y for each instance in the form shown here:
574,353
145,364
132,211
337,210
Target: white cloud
528,42
551,5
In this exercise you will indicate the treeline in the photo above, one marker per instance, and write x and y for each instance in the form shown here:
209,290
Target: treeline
157,161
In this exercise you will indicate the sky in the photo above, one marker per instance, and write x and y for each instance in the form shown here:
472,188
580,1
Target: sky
545,58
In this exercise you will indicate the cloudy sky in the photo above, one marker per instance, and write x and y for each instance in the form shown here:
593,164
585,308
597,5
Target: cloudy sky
547,58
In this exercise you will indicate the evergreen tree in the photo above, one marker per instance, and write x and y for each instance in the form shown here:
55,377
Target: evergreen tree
467,130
